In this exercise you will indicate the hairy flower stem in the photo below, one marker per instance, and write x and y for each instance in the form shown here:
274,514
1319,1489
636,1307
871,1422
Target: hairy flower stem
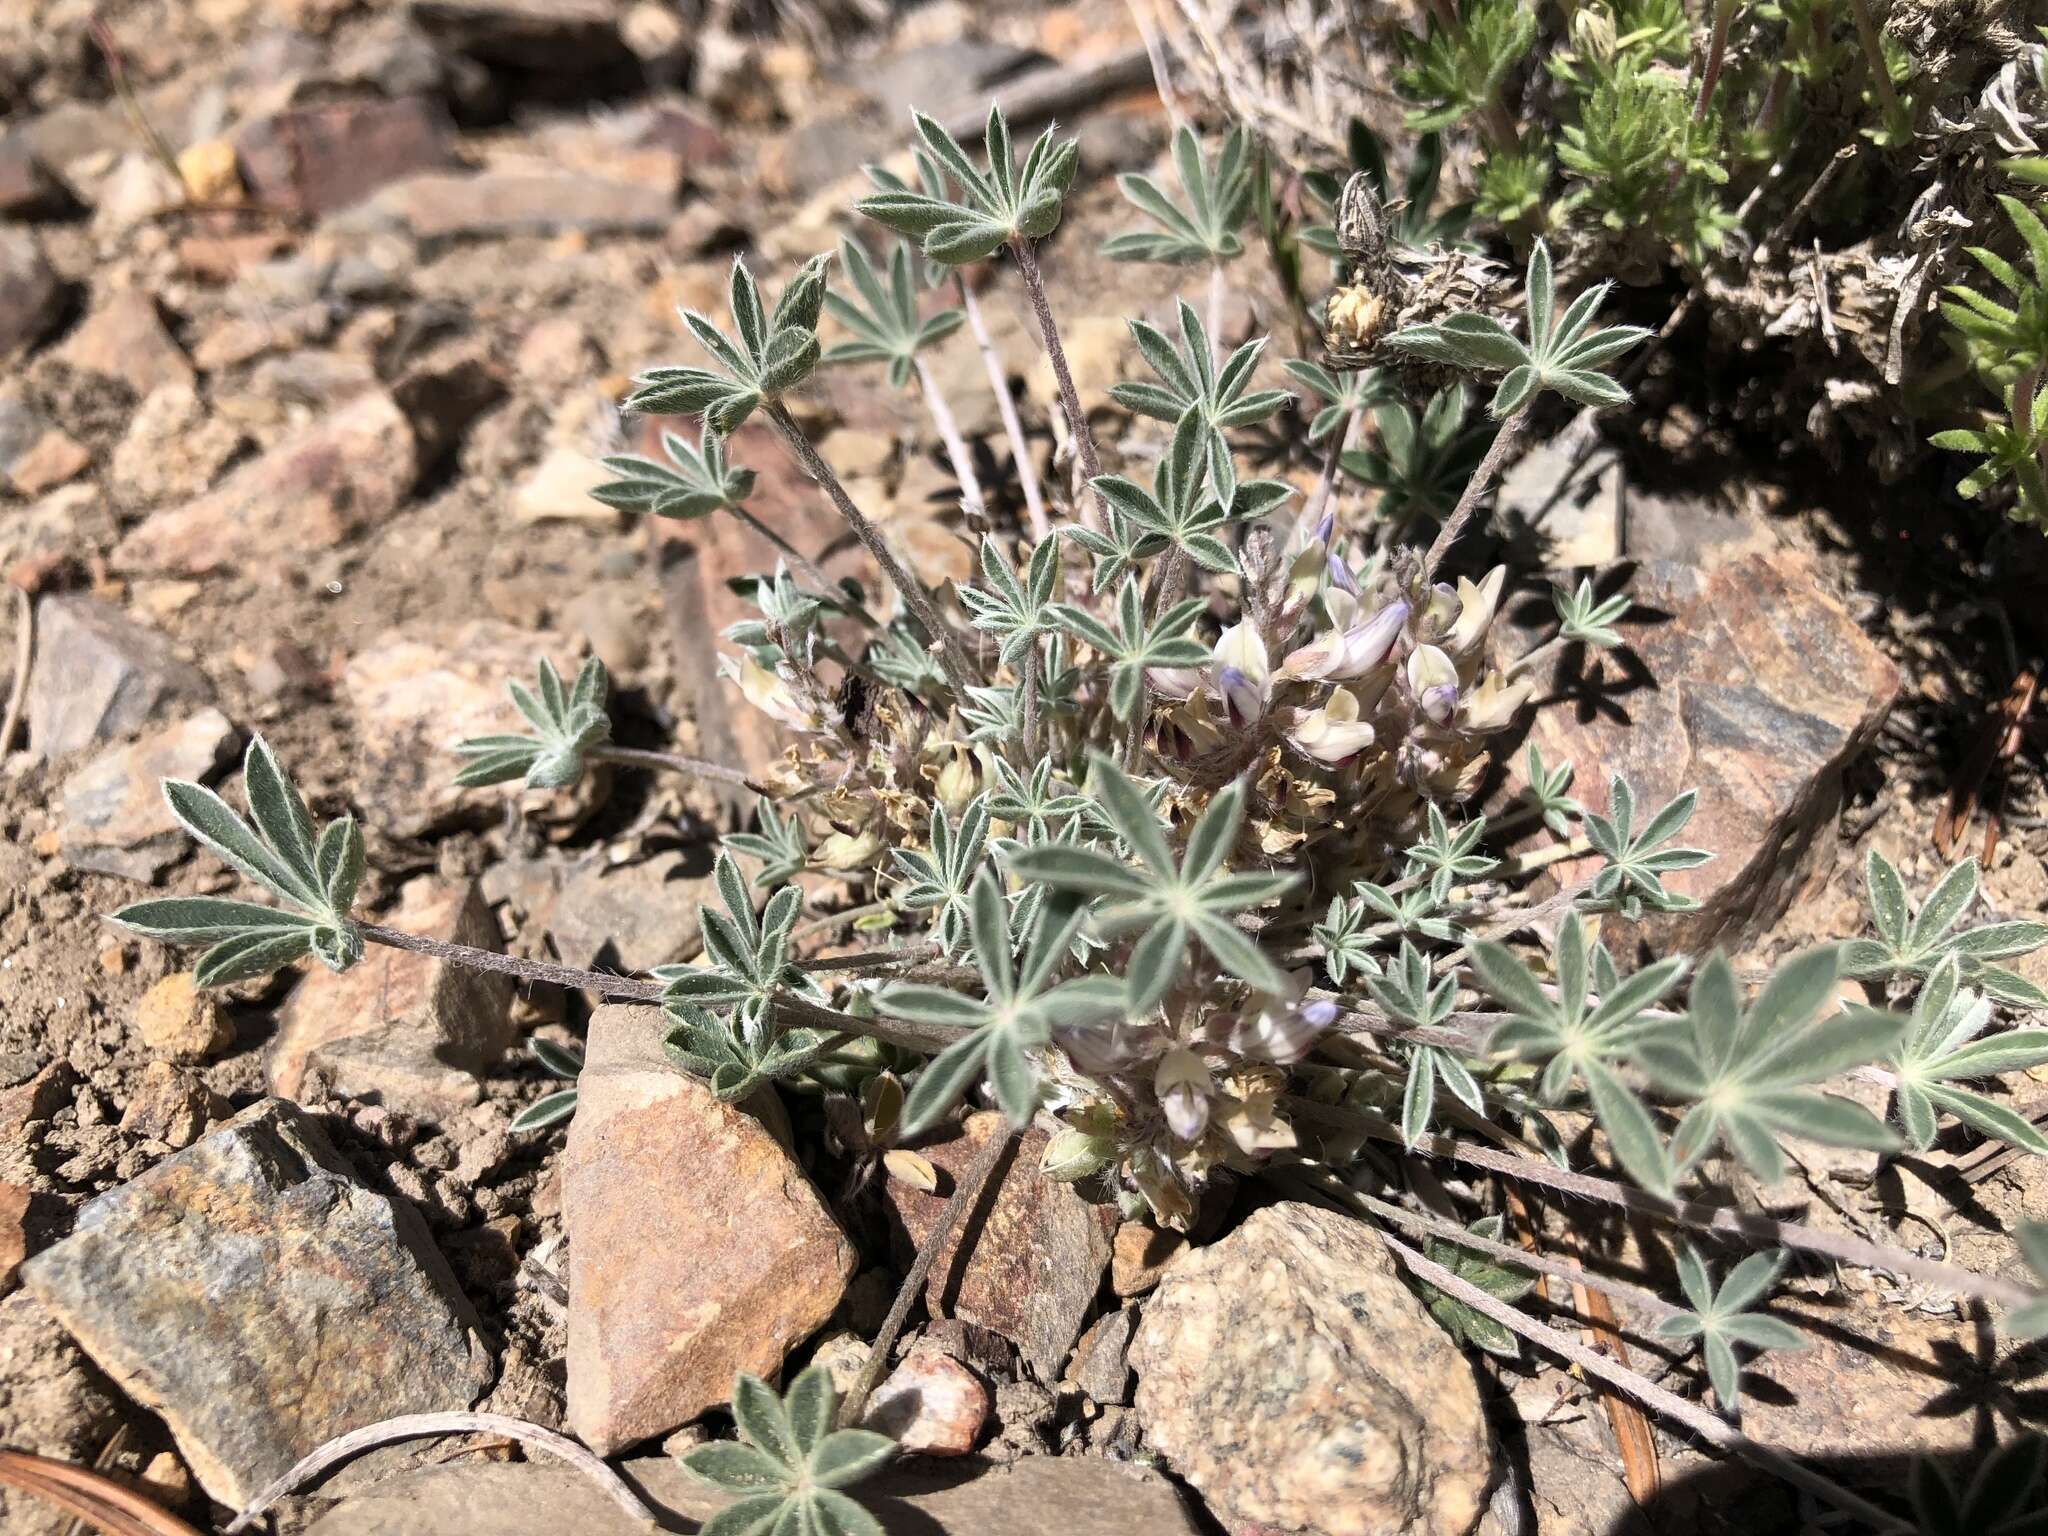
799,562
1710,1427
1030,704
1717,53
957,452
1696,1214
952,659
1048,329
966,1191
1214,314
1475,491
1006,407
1326,482
695,767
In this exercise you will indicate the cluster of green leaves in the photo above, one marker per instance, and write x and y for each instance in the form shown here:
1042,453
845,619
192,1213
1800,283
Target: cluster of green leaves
1204,227
775,351
995,207
1723,1317
1454,72
1466,1324
1912,943
2005,343
790,1467
696,481
885,322
314,873
1191,385
1639,159
567,723
1563,354
1420,463
747,958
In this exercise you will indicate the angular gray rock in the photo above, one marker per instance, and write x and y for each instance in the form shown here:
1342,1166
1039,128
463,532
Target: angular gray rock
1037,1496
697,1247
262,1300
115,819
440,206
98,675
633,916
1289,1374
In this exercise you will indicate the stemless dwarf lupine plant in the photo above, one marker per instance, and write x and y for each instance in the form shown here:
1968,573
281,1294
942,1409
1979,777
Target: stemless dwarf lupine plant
1170,812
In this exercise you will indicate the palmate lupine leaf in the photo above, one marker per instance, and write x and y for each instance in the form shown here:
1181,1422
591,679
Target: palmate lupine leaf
316,874
1749,1073
1548,793
1179,511
1171,905
940,881
1405,993
1631,881
1015,612
1117,548
1593,1020
1135,645
1022,1005
1221,398
995,206
1563,354
1587,619
1338,396
780,844
790,1468
1721,1317
1420,464
696,481
567,723
733,1065
885,321
1941,1050
1467,1324
769,353
747,956
1447,857
1036,804
1912,943
1205,226
1346,940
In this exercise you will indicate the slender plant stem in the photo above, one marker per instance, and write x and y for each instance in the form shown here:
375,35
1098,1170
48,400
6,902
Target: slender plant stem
802,563
412,1426
1029,686
1541,858
1534,656
952,659
696,767
24,653
1873,53
1696,1214
1328,1181
626,988
957,451
1710,1427
1214,316
1048,329
839,919
1717,53
1475,491
1006,407
1326,482
965,1192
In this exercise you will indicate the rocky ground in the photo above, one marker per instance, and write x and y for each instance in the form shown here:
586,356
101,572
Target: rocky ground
298,440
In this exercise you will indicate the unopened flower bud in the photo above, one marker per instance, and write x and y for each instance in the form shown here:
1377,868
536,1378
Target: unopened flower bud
1182,1083
1071,1155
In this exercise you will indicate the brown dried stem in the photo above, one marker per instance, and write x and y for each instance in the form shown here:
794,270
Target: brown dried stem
1048,329
1475,491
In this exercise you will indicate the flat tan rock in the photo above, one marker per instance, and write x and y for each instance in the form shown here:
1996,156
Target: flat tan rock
697,1248
115,819
1289,1374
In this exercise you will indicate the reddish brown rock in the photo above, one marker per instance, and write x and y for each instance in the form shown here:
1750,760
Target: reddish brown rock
124,338
319,159
1752,684
697,1248
1036,1250
171,1105
14,1202
27,190
931,1404
400,1029
493,204
1141,1255
1289,1374
115,819
328,482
